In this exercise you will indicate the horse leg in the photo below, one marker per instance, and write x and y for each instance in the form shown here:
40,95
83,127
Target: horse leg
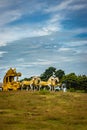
50,88
22,87
31,86
40,87
27,88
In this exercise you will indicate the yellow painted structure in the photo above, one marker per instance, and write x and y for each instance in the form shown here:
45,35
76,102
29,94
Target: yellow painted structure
10,81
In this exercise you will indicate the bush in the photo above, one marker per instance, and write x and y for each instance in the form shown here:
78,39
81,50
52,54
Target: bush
44,92
72,90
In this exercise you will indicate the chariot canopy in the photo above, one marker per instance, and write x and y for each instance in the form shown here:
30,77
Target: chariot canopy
10,80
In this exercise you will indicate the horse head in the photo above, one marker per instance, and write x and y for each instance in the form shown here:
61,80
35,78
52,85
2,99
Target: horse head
36,80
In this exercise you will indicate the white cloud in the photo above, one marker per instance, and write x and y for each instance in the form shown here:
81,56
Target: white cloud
50,29
64,49
5,3
66,5
77,7
2,43
10,34
20,60
71,34
17,32
2,53
9,16
61,6
37,62
13,10
77,43
66,59
43,62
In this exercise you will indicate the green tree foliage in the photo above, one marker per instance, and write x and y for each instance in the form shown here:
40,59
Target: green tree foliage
26,79
82,82
71,80
75,82
48,72
59,73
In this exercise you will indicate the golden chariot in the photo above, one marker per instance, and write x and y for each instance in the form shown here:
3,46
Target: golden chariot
10,80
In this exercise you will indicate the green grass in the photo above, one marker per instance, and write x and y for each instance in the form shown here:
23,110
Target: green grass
25,110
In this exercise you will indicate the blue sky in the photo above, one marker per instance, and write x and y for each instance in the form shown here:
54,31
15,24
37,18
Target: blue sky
36,34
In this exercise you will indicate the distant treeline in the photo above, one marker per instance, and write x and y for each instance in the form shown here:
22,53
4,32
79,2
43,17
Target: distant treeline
73,82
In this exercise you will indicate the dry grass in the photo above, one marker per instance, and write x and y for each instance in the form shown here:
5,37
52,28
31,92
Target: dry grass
24,110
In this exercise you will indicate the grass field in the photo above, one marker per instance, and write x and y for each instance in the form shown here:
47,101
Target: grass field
24,110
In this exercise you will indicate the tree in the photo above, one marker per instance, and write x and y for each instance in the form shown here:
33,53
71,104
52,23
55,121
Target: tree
59,73
82,82
71,80
48,72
